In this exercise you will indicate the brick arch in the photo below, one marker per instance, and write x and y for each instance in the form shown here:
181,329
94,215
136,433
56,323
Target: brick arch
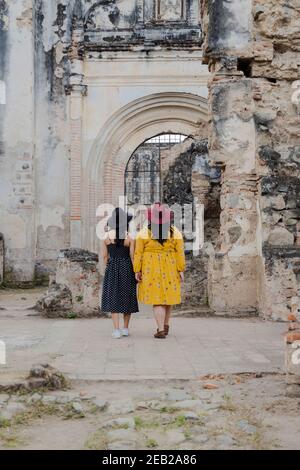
103,179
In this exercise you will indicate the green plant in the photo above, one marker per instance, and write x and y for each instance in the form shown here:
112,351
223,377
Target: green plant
4,423
180,420
167,409
71,315
151,443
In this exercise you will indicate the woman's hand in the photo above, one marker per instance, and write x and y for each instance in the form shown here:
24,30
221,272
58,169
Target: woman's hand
138,276
181,274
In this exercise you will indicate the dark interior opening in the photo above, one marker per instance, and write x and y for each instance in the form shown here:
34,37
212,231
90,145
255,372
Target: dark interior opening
245,66
271,80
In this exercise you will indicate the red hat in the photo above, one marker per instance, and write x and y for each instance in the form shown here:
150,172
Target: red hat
159,214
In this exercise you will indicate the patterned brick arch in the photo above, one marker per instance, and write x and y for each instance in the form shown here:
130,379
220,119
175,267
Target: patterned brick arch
103,177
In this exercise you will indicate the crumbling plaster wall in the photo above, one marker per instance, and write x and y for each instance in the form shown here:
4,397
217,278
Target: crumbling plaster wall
275,70
252,49
17,190
66,73
52,131
33,137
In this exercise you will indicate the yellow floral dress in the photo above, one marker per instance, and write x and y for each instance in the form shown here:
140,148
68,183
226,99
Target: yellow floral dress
160,266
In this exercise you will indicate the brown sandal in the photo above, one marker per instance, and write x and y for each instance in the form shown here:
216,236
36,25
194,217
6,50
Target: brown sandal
166,330
160,335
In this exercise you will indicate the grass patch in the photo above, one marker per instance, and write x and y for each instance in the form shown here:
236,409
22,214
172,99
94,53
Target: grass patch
138,422
143,424
151,443
167,409
228,404
71,315
70,413
180,420
10,439
96,441
4,423
35,412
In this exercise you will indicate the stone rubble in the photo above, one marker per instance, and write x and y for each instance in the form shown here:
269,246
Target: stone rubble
75,290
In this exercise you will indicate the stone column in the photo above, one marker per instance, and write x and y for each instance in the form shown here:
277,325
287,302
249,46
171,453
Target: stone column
228,34
77,91
232,147
76,99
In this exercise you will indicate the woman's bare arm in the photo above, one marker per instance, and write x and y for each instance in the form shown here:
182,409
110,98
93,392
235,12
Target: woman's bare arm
131,249
104,252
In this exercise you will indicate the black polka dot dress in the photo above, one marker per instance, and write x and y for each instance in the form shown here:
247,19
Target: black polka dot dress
119,284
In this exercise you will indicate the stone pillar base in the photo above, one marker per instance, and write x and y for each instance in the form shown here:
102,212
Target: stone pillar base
232,285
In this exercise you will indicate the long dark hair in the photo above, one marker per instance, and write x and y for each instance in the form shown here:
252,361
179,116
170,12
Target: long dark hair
119,221
160,232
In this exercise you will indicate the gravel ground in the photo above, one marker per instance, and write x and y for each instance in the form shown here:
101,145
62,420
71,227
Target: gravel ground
245,411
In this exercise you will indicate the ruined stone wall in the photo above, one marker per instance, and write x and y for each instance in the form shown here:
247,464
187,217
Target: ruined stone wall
275,69
251,48
66,67
17,191
53,22
75,288
34,140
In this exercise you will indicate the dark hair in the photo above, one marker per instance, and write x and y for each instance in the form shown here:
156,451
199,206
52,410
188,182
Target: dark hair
120,236
160,231
119,221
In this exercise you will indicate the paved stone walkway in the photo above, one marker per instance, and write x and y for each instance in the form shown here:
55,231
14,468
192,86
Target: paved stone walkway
222,411
84,349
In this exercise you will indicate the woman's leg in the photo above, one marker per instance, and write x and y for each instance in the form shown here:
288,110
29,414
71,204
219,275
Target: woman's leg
168,314
116,320
167,319
127,318
159,315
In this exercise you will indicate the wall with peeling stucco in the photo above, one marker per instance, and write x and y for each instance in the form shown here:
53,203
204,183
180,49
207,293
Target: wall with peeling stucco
67,67
17,192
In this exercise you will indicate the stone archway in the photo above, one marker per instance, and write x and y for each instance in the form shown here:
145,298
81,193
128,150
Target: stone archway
103,174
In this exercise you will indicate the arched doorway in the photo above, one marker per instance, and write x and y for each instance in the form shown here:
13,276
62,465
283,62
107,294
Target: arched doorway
144,170
174,169
124,132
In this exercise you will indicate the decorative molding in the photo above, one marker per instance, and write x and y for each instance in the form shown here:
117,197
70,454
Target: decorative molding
154,80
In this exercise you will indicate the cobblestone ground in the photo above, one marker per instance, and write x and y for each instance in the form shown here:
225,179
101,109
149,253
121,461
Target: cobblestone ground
144,394
245,411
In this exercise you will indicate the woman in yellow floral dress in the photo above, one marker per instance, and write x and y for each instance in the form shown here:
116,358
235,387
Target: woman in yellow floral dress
159,263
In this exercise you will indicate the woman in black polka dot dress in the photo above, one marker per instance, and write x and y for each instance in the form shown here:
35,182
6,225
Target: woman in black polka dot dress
119,284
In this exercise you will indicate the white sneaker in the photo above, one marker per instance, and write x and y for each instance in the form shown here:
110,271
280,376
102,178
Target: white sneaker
116,334
125,332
